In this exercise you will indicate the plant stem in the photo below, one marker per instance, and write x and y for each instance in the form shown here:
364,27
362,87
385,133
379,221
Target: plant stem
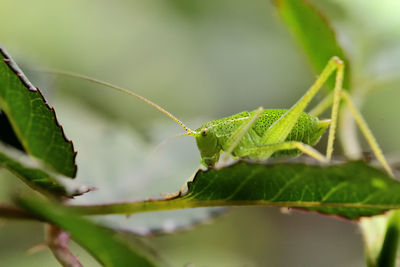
58,243
11,212
184,203
387,255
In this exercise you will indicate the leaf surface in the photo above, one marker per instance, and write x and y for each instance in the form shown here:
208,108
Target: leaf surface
35,175
315,35
350,190
102,243
33,120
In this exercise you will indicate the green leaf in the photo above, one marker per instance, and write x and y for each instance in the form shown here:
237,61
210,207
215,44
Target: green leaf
102,243
387,255
33,120
315,35
349,190
36,177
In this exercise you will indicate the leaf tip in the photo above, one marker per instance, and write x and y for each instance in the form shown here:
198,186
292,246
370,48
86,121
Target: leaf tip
70,169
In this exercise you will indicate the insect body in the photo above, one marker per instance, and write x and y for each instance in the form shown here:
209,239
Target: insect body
213,137
261,134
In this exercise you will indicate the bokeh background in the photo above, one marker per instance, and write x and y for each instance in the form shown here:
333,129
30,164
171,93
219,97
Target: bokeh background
201,60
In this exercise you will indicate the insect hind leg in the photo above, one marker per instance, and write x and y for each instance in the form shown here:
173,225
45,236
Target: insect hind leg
359,119
279,130
259,150
366,131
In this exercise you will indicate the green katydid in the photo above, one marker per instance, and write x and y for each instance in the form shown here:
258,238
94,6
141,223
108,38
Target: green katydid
265,133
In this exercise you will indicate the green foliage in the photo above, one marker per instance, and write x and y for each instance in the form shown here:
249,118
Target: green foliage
34,176
102,243
33,120
315,34
387,257
350,190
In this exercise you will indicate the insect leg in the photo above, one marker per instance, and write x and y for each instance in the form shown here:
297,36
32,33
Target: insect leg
366,131
335,108
278,131
234,140
271,148
361,123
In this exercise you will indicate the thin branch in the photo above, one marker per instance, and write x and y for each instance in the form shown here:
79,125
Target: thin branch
58,243
128,208
12,212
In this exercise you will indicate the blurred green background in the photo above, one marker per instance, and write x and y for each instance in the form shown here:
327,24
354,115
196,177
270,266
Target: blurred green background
201,60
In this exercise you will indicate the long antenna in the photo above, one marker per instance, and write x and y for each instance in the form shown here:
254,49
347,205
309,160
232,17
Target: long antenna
123,90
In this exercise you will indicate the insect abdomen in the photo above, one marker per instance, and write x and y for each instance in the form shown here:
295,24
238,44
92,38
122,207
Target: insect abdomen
304,130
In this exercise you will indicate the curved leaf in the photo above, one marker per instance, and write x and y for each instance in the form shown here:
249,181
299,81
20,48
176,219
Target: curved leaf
390,244
37,178
102,243
349,190
314,34
33,120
